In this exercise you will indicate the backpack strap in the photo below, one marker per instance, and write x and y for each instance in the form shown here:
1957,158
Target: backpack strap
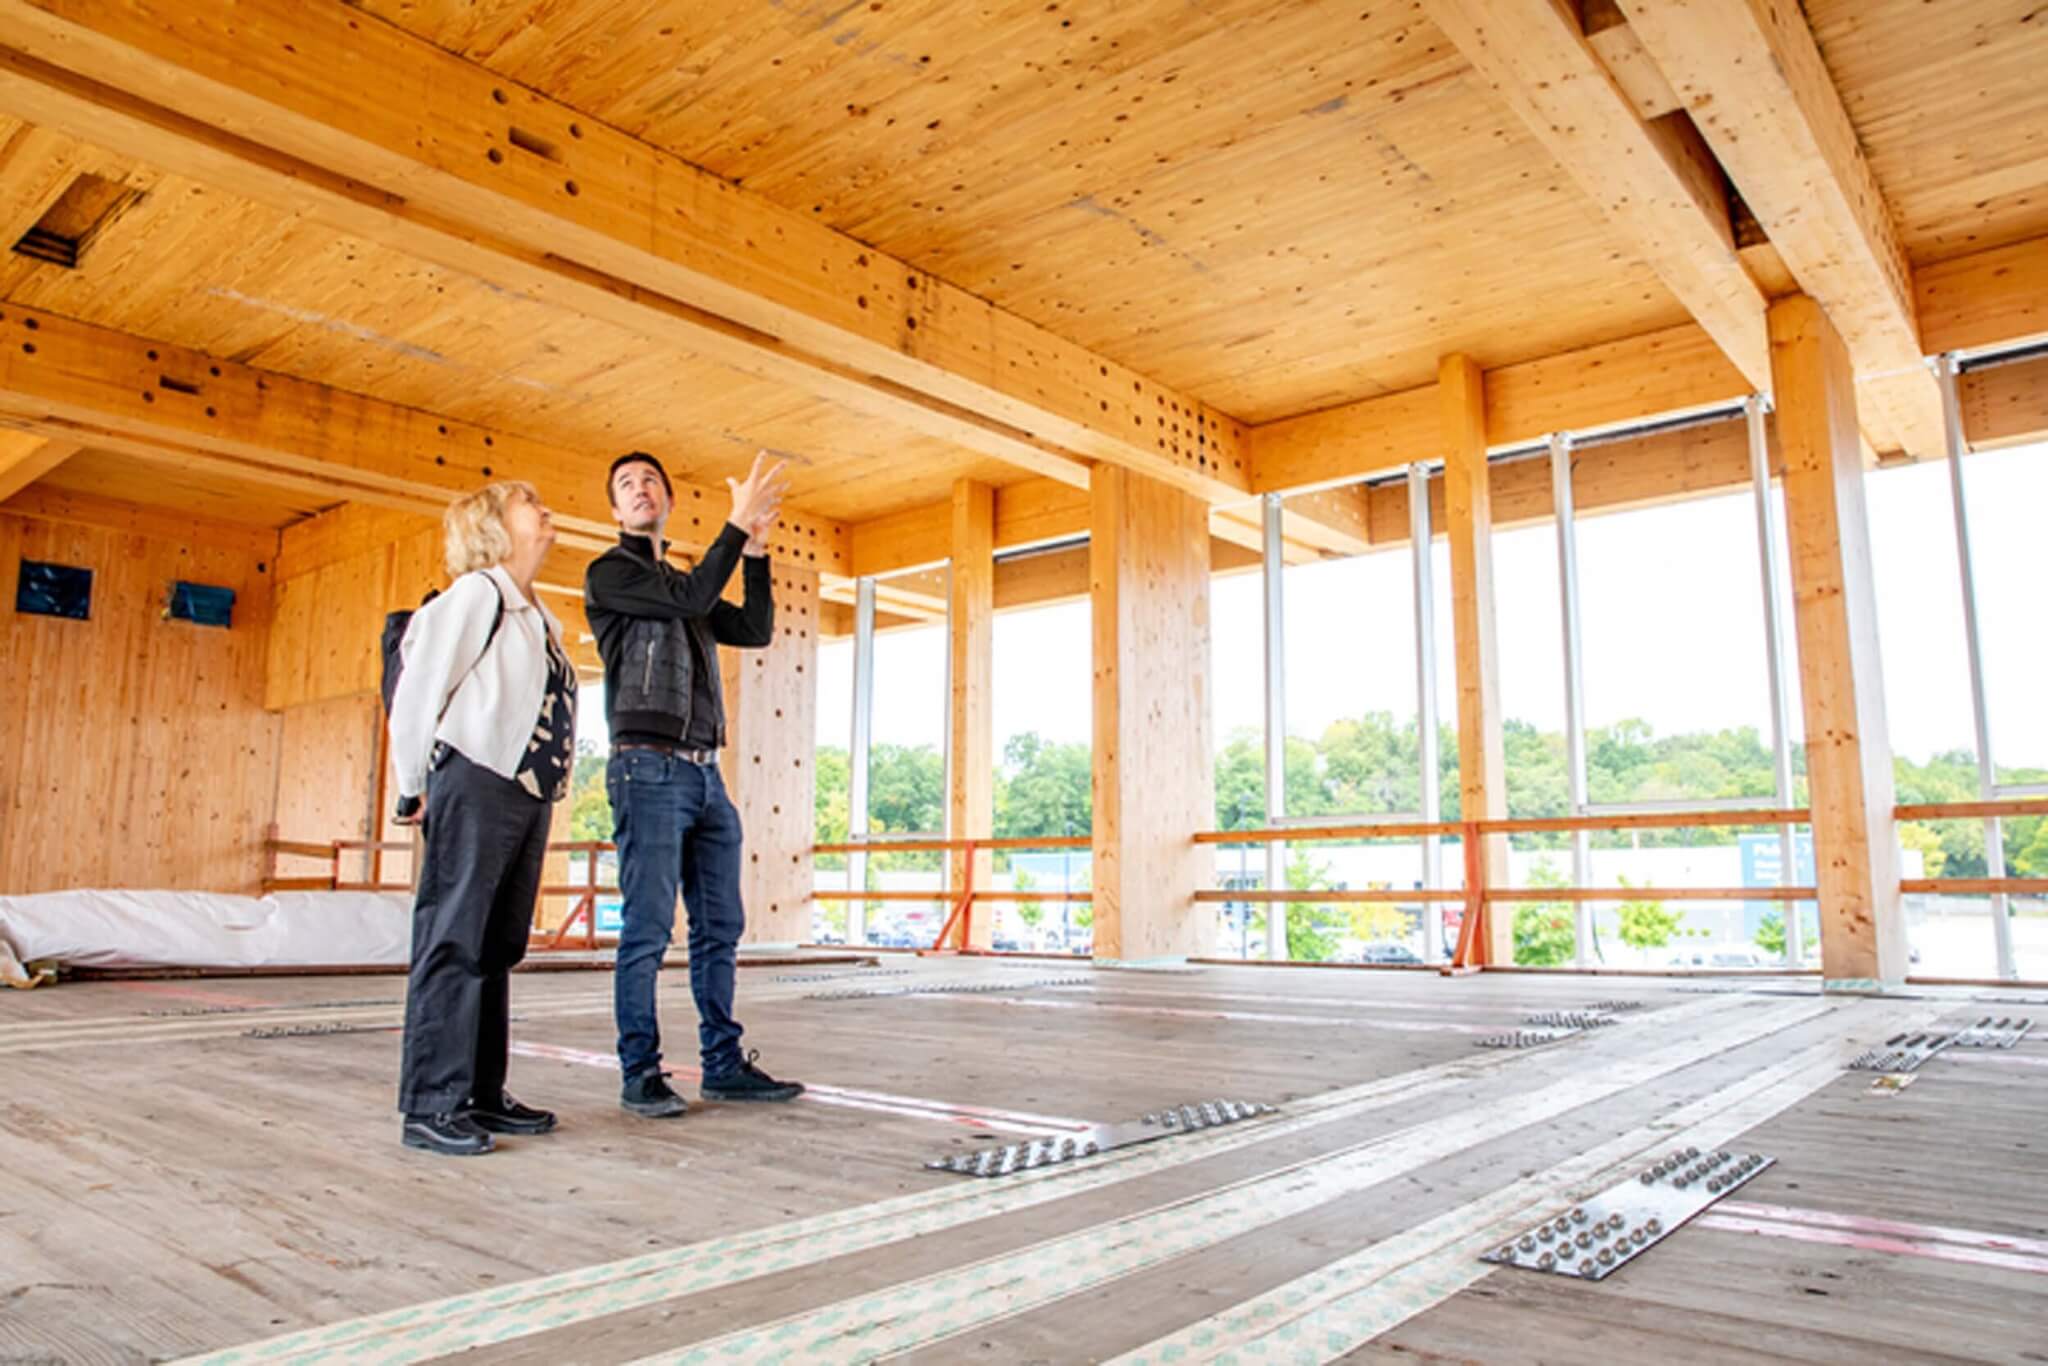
497,620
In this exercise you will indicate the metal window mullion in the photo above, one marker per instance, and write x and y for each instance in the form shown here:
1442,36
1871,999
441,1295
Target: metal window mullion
1771,571
1574,682
1427,757
1276,720
857,761
1987,771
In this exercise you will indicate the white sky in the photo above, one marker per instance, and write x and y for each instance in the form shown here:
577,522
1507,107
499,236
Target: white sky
1672,633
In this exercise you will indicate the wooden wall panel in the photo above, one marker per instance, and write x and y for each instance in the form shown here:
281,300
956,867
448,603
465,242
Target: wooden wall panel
327,779
771,708
134,751
331,617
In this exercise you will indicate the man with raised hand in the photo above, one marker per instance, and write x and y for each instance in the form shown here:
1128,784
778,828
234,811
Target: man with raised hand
658,629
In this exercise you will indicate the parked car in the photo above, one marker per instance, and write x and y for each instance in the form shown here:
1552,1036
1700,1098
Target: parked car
1724,959
1386,951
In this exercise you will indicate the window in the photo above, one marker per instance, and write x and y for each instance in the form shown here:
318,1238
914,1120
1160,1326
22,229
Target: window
1044,778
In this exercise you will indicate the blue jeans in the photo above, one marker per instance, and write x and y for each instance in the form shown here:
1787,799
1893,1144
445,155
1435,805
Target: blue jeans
675,827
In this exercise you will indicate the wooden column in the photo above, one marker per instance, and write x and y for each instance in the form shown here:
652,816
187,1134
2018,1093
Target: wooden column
970,776
1468,516
771,712
1848,750
1148,569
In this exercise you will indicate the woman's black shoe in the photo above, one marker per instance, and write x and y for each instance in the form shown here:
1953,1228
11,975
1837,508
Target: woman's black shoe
508,1116
456,1135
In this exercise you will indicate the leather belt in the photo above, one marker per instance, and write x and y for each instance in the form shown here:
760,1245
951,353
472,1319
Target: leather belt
693,756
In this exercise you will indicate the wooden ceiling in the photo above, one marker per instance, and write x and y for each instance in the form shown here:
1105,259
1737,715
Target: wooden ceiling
1274,206
1951,105
212,498
1265,208
197,267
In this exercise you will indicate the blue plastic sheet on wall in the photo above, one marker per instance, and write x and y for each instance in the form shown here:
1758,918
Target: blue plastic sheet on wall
54,590
202,603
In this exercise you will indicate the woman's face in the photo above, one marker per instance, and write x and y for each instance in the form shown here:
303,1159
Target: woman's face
530,525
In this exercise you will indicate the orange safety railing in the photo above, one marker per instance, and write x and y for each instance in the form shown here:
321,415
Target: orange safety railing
583,895
1474,944
966,895
1979,810
1475,940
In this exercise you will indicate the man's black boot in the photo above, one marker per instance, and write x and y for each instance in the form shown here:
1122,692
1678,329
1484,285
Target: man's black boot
648,1095
748,1082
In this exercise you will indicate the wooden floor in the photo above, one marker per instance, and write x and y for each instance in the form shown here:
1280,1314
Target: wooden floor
180,1175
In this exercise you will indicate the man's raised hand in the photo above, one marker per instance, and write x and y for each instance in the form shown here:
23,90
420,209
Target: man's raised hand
758,498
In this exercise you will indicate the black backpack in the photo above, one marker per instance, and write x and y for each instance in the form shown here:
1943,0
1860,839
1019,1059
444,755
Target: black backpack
395,624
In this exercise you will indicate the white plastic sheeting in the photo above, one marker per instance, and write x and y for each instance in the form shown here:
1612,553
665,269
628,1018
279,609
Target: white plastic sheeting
123,929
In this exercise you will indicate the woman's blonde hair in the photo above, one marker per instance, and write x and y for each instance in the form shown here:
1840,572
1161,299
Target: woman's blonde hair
475,526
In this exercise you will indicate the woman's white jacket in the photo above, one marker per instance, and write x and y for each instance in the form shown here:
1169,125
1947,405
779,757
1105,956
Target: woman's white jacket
481,702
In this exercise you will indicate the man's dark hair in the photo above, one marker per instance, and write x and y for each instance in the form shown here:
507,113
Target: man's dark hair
636,457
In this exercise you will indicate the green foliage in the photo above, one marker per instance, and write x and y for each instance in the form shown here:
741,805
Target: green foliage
1311,928
1952,777
906,789
590,809
1030,912
1770,932
835,916
2029,857
1544,932
1646,925
1042,788
1376,920
1926,839
1365,765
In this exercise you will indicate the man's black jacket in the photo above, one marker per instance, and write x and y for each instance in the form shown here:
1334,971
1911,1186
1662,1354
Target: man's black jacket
658,629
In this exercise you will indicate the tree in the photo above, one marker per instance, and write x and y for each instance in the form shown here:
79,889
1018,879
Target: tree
1030,912
1043,788
1646,925
833,769
1770,932
835,916
590,807
1309,940
1543,930
1240,782
2031,860
906,795
1376,920
1914,835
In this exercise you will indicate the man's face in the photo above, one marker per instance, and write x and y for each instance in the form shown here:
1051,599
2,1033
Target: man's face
639,499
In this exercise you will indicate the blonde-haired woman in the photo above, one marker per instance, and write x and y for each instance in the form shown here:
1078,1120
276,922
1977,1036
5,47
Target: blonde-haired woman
483,728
